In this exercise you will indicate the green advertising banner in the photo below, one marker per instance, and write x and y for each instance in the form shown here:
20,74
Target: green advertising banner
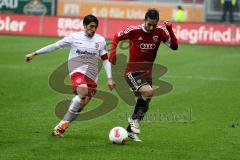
35,7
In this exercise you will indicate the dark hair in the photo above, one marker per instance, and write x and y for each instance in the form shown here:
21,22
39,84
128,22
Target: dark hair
180,7
152,14
90,18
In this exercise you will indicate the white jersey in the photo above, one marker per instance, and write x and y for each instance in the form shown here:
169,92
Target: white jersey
84,54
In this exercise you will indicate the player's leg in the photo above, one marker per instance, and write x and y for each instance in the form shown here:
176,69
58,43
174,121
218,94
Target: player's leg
85,88
141,107
75,107
77,104
144,92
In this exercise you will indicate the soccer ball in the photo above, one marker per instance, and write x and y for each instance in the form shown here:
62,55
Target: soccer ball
118,135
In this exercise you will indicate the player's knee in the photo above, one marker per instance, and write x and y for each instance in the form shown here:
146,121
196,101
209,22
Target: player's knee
82,91
148,93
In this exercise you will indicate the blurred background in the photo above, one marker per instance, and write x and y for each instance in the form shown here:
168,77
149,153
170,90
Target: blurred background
196,10
214,21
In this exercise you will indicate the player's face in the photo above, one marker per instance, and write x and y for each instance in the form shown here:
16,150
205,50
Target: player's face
90,29
150,24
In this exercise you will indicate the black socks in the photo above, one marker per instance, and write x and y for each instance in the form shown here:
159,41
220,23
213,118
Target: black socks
141,108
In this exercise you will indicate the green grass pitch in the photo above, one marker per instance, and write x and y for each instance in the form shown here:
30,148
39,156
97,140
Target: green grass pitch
205,95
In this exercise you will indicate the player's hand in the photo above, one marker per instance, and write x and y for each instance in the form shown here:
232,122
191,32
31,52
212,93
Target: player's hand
30,56
111,84
167,24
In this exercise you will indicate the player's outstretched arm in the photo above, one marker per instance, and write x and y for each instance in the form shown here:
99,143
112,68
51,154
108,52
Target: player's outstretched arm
173,39
52,47
47,49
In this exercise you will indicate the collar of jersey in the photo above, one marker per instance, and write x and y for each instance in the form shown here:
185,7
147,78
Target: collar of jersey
144,29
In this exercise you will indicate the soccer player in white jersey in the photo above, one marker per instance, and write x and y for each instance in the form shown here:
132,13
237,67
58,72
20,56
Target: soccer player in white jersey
86,48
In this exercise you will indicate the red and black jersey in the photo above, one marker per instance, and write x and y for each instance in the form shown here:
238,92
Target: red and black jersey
143,46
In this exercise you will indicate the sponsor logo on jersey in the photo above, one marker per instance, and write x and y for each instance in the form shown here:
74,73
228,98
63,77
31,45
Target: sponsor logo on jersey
155,38
79,52
96,45
147,45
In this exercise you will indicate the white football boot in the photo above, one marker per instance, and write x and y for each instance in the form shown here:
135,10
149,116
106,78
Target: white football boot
134,137
134,124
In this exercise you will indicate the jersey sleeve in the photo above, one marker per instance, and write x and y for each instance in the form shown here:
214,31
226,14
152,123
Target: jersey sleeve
165,35
169,38
172,41
125,34
65,42
103,48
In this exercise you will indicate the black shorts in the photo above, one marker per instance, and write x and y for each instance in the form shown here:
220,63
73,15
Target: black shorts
137,80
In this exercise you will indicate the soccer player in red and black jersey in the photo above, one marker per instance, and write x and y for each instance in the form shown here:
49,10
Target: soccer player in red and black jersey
144,40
